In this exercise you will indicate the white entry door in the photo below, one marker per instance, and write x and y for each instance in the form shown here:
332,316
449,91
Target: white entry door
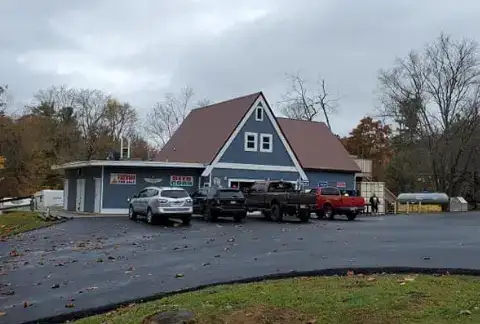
65,194
98,195
80,201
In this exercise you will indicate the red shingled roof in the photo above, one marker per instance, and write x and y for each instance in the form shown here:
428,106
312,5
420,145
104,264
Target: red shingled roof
315,146
205,130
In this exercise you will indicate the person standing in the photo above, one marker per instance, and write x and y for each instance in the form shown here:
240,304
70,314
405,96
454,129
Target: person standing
374,204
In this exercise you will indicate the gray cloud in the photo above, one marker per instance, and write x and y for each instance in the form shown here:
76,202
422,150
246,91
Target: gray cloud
140,50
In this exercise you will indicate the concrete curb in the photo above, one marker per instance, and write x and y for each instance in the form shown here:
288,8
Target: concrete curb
62,318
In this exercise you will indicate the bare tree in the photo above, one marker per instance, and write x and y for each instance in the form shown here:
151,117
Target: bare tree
437,92
305,102
3,98
91,106
167,115
51,101
119,119
204,103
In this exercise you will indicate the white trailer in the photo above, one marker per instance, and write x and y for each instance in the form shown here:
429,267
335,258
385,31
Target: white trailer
48,198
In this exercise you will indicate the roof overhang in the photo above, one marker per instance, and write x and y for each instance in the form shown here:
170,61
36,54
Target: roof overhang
126,163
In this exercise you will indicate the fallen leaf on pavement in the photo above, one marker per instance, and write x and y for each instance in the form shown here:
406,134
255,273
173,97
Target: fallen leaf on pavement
14,253
26,304
3,313
179,275
69,305
55,286
426,258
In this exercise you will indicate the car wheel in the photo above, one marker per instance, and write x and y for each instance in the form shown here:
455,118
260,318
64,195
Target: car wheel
351,216
277,215
131,214
150,217
328,212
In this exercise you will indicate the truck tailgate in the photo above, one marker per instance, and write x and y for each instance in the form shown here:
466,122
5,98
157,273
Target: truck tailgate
353,201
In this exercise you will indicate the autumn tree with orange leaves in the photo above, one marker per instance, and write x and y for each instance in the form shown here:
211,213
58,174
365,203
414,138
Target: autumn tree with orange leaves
370,139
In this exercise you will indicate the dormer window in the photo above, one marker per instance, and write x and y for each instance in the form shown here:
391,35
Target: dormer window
259,112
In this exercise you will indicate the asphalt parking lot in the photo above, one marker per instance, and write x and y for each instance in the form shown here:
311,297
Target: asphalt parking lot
89,262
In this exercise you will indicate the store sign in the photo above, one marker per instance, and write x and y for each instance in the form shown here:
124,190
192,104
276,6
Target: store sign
341,184
123,178
181,181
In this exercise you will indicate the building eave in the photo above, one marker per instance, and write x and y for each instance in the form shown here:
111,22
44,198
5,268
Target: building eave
126,163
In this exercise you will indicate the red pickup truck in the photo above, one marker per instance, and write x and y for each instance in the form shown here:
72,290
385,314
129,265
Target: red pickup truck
330,202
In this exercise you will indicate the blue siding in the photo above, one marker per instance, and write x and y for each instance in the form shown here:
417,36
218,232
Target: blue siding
331,178
115,195
225,174
236,153
89,174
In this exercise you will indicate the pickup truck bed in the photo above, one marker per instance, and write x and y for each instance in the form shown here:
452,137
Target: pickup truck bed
278,198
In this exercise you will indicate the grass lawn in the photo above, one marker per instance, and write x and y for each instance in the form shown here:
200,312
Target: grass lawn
381,299
16,222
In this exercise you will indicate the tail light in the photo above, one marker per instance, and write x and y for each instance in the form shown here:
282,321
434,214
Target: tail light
162,201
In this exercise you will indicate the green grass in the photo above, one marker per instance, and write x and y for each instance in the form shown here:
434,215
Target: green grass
15,222
382,299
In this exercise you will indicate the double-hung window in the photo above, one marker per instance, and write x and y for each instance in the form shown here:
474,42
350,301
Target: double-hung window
266,143
251,142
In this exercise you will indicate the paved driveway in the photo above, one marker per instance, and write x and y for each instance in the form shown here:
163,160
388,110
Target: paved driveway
97,261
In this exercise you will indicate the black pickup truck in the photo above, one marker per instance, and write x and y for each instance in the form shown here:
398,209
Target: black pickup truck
278,198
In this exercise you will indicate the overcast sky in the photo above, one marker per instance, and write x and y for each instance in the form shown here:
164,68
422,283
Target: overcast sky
139,50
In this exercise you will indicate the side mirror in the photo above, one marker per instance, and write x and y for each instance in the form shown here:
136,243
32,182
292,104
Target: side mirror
135,196
128,199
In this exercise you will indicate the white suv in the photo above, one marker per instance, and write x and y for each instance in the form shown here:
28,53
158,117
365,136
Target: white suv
165,202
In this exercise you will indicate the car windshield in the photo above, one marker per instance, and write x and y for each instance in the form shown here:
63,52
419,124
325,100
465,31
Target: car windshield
230,193
174,193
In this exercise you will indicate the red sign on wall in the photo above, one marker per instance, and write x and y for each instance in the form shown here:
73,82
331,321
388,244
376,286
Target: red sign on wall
181,181
123,178
341,184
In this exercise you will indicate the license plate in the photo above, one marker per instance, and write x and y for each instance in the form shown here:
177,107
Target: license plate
353,209
233,202
303,206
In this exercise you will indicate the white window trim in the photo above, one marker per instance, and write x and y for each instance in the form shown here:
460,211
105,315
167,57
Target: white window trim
245,142
270,138
256,113
267,112
257,167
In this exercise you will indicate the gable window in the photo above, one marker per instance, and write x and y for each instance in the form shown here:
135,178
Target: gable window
266,143
250,144
259,113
